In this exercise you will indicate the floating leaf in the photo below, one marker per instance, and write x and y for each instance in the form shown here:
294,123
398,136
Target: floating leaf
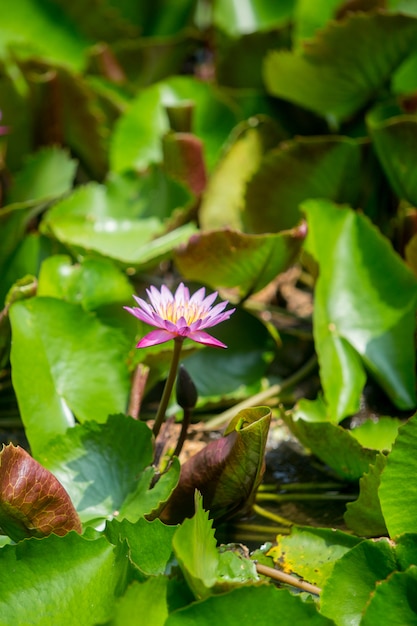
228,258
298,169
52,593
227,471
262,606
332,77
371,322
365,565
57,349
32,501
364,516
398,482
311,552
394,600
104,466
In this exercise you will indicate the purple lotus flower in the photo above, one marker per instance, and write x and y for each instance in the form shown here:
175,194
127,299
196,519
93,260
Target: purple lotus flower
179,315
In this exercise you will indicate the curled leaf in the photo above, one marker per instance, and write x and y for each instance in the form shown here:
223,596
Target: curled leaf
227,471
33,503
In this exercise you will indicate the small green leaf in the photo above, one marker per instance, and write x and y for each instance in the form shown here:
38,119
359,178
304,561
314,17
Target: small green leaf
143,599
32,501
371,320
67,580
354,579
378,435
398,482
364,516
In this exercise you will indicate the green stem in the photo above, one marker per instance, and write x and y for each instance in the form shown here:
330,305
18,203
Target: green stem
259,510
293,497
186,419
262,396
169,384
290,487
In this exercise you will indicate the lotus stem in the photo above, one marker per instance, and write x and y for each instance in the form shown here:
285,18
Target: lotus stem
169,384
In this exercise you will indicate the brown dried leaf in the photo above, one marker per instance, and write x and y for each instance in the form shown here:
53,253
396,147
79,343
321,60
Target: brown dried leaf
33,503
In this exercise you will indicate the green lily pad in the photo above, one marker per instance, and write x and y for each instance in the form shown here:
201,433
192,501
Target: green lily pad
393,601
106,469
57,347
334,78
398,480
52,593
364,516
370,323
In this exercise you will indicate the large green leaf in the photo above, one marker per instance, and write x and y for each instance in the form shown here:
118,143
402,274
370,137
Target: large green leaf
394,600
143,599
394,138
95,219
364,315
258,15
353,581
228,258
262,606
65,362
60,580
136,142
335,78
298,169
398,482
103,467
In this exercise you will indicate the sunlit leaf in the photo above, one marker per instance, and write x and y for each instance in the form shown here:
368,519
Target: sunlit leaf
227,471
366,565
102,465
65,362
364,313
32,501
143,599
136,142
364,516
398,482
393,600
228,258
298,169
311,552
334,78
378,435
257,15
71,580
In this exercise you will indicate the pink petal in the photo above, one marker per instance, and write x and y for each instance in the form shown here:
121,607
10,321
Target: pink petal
141,315
201,337
154,338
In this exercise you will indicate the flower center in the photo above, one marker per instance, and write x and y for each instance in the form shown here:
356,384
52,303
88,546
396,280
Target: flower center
174,311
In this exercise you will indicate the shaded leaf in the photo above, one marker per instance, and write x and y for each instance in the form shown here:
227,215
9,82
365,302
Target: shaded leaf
262,606
102,466
398,482
394,600
335,79
52,593
364,516
396,134
311,552
367,564
57,348
227,258
370,323
148,598
32,501
298,169
227,471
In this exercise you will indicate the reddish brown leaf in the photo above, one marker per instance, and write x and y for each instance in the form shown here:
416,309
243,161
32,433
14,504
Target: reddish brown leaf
33,503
